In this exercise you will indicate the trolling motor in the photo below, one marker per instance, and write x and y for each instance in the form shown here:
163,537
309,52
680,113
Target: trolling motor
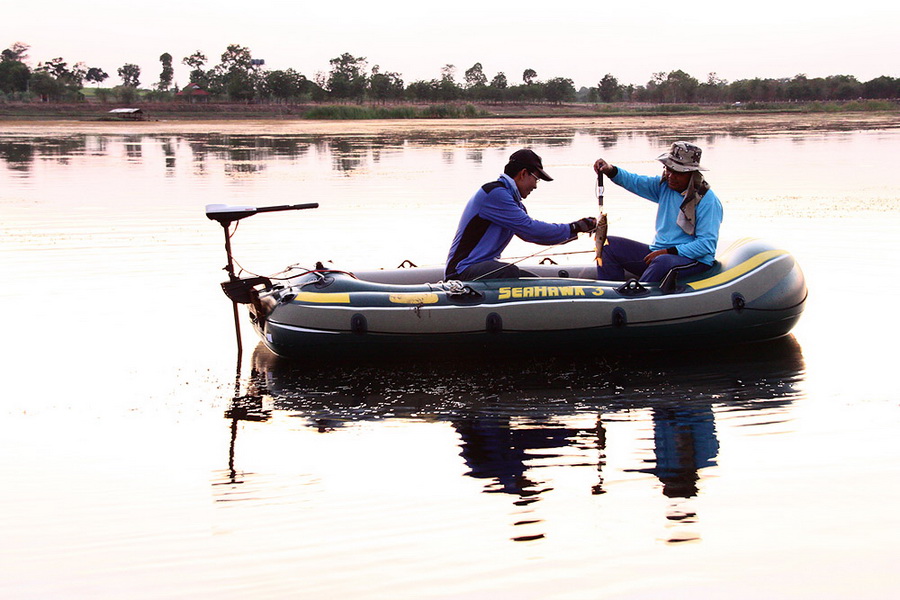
238,290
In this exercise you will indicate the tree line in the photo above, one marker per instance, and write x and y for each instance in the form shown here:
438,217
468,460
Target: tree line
238,77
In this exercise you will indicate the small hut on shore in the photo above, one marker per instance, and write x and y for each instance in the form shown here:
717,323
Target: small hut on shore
132,114
193,93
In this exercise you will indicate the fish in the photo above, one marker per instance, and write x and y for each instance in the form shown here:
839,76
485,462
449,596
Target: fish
600,230
600,238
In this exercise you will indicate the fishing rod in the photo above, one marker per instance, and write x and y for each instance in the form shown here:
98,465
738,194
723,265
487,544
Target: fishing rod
516,261
554,254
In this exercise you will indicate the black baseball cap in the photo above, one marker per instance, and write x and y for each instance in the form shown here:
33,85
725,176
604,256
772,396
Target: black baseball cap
531,161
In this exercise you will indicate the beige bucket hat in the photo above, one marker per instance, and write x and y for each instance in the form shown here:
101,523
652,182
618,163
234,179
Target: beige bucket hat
682,157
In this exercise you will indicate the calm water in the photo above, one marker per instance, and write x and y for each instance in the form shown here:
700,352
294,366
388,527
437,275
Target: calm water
141,460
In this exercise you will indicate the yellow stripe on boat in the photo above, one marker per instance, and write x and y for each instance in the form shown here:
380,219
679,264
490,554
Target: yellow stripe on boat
735,272
323,297
414,298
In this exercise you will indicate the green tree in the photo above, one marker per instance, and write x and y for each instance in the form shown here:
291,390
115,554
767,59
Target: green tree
496,91
422,91
167,73
46,86
608,89
60,70
448,73
236,58
798,88
713,90
447,90
14,73
17,52
130,74
559,90
14,76
66,81
96,75
677,86
475,76
385,86
842,87
882,87
347,78
235,75
196,61
126,94
651,92
528,76
284,85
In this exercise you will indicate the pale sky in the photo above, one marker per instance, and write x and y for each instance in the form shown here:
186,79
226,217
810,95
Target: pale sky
580,40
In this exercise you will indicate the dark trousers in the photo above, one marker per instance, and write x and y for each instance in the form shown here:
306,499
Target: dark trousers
622,255
492,269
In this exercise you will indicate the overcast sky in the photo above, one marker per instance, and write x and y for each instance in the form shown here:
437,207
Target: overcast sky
580,40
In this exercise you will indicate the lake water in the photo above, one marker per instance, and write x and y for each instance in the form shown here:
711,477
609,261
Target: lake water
141,459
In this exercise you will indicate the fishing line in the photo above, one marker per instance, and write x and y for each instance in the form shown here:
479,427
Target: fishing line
599,192
538,253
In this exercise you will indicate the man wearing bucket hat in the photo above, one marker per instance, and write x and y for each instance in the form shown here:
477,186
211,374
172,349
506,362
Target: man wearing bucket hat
495,214
687,220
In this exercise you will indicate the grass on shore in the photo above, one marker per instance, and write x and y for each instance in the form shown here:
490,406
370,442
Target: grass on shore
335,112
227,111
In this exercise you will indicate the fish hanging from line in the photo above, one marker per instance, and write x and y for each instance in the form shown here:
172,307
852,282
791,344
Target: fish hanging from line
600,238
602,226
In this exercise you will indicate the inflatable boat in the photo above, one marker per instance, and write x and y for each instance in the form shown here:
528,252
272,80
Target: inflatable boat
754,292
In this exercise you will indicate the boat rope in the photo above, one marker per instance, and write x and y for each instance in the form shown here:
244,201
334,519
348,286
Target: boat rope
242,270
318,270
553,254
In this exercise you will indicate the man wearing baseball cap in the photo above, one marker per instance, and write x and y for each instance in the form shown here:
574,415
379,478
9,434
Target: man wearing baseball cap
495,214
688,218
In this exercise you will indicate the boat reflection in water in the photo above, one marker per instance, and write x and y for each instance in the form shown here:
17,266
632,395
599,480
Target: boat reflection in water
515,419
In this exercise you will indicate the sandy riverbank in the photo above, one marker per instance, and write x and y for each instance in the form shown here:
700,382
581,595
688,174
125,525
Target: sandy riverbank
681,125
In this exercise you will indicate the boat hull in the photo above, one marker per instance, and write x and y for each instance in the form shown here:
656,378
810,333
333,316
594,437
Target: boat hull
755,293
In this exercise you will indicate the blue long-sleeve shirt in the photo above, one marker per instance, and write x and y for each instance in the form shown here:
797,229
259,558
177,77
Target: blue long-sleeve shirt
702,245
490,220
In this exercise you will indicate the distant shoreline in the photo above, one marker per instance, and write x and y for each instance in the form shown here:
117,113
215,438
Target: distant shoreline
266,123
348,112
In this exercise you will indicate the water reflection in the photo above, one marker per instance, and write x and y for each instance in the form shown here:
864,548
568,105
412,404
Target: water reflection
134,148
243,154
516,423
17,155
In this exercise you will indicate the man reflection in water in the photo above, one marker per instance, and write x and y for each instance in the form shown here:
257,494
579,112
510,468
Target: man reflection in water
684,442
495,450
495,214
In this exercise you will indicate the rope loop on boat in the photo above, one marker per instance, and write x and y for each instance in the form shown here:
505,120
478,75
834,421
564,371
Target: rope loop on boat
458,291
632,287
456,288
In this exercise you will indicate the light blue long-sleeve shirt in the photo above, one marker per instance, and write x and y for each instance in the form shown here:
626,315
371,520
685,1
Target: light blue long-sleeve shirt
702,245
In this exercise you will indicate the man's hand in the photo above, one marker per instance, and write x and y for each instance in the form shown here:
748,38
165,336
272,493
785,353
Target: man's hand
583,225
601,166
649,258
